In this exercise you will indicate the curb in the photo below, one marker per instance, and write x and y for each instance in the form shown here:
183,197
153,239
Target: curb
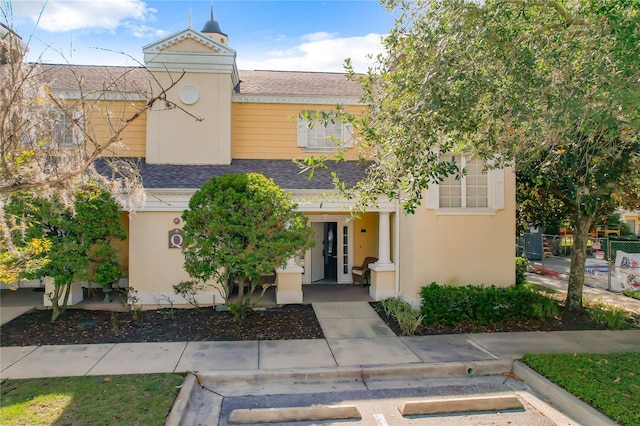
347,376
568,403
441,369
179,408
358,373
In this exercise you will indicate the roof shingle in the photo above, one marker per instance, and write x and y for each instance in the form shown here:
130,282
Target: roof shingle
285,174
134,79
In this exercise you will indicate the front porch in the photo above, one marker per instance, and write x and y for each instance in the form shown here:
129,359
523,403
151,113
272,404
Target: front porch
342,244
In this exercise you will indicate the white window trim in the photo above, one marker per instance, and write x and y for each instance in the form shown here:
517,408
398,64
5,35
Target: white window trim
303,137
495,198
77,131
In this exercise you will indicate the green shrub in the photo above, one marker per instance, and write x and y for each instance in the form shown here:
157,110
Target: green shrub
612,317
189,291
408,319
635,294
522,266
483,305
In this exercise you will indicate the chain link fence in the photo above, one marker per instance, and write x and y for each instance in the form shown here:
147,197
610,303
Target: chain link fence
612,263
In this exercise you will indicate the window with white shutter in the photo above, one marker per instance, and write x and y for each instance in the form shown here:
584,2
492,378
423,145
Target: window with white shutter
477,190
323,135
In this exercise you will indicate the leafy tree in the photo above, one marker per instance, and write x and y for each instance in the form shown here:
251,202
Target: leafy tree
553,84
538,206
239,228
34,155
79,236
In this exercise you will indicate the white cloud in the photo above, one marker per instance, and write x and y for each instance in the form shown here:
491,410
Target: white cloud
319,36
322,52
144,31
67,15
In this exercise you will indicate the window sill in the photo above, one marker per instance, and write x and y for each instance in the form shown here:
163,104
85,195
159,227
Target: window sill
333,149
465,212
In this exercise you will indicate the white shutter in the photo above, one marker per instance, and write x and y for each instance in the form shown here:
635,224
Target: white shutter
303,133
497,189
433,196
347,134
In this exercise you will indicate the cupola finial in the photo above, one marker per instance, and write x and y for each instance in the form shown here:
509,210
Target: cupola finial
212,27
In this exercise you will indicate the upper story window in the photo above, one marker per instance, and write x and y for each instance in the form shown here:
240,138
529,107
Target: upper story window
323,135
470,191
478,190
68,130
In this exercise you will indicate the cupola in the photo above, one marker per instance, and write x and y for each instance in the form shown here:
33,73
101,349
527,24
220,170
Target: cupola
212,27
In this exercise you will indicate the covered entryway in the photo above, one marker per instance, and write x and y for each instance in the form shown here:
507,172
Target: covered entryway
340,241
331,259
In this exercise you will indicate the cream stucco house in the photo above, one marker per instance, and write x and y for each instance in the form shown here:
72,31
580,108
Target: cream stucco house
462,234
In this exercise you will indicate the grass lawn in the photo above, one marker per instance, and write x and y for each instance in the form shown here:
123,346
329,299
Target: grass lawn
143,399
610,383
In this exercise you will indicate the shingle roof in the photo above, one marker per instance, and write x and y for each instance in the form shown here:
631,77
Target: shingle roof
95,78
285,173
297,83
134,79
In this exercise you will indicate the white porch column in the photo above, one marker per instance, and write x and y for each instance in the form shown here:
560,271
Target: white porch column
383,272
289,283
384,239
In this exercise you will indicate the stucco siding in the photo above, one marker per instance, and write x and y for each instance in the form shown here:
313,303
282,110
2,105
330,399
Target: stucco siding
365,237
175,137
153,266
458,249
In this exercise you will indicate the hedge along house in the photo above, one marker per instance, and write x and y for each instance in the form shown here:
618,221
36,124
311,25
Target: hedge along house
463,233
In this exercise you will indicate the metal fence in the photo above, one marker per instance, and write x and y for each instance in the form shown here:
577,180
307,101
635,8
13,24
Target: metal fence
612,262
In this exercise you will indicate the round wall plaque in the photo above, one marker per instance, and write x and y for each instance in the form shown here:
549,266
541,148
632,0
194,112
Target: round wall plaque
189,94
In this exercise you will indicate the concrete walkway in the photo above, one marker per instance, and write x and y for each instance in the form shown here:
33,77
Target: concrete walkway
592,291
354,336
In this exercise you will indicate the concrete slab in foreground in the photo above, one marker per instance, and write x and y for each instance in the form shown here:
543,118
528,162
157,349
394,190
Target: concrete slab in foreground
57,361
140,358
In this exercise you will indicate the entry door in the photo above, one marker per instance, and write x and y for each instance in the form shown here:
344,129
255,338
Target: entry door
317,252
314,259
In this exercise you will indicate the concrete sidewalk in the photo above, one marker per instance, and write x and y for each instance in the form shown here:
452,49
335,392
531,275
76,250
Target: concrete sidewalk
354,336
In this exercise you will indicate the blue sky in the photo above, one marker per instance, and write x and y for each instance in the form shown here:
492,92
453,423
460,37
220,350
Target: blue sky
276,35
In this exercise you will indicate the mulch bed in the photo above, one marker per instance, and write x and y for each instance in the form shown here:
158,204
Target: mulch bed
162,325
206,324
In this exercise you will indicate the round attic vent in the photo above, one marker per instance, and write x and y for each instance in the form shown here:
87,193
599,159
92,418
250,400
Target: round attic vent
189,94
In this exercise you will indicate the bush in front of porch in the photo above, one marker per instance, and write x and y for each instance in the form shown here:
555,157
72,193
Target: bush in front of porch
239,228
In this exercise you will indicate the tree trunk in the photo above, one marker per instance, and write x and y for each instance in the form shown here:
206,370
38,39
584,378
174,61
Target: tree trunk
58,308
581,225
55,312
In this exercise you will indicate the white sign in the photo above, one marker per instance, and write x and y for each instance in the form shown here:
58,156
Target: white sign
627,272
